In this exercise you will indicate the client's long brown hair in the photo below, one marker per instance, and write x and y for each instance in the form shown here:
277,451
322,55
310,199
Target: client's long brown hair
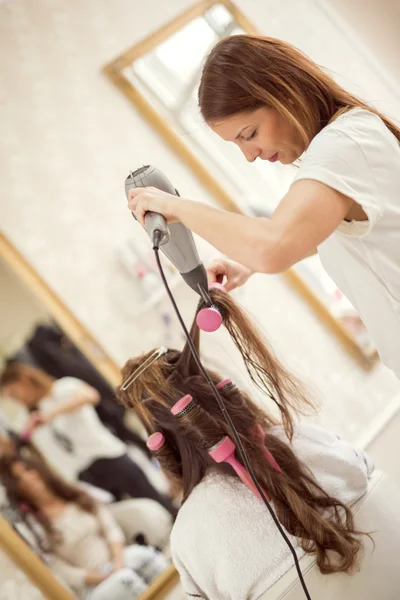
319,521
21,500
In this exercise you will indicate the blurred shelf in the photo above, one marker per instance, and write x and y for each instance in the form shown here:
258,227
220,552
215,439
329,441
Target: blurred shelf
160,295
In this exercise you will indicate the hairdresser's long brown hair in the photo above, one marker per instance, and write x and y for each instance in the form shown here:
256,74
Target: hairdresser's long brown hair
35,378
299,501
245,72
22,501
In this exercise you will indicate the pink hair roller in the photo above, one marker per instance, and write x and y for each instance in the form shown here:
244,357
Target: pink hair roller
209,319
155,441
26,436
183,406
217,286
225,384
224,451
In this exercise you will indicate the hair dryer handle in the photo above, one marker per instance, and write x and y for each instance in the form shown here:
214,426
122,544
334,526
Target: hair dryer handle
150,176
156,222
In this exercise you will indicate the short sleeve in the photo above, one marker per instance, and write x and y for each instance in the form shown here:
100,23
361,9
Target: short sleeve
66,388
340,157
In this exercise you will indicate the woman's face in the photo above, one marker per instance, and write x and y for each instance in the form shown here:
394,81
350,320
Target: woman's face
29,481
263,133
22,391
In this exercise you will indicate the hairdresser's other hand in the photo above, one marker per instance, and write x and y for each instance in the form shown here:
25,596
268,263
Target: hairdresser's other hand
228,272
35,420
142,200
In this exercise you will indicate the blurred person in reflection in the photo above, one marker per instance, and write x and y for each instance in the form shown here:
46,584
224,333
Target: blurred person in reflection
11,442
70,435
84,544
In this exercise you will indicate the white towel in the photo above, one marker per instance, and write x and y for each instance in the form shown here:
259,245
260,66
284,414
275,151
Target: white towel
225,544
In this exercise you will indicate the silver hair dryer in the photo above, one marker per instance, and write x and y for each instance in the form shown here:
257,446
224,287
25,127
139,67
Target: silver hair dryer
176,240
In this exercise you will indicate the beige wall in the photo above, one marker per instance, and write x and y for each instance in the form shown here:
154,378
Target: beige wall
68,140
377,24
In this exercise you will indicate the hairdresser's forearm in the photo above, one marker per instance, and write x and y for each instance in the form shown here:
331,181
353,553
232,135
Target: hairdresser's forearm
248,240
88,396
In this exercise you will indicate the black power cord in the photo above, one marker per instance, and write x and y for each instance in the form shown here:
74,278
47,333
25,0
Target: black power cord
239,446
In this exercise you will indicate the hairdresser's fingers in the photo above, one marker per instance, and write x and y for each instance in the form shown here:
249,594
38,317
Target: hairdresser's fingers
133,197
234,273
216,271
141,200
137,203
141,210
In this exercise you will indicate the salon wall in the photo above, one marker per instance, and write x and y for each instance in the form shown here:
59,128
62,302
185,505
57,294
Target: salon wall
68,141
376,24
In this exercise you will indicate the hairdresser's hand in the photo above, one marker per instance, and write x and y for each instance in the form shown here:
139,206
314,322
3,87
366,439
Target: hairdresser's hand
142,200
228,272
35,420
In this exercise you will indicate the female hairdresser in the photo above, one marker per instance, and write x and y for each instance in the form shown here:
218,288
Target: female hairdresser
276,104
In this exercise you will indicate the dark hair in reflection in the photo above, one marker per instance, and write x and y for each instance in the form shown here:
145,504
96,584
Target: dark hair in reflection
27,505
300,503
35,378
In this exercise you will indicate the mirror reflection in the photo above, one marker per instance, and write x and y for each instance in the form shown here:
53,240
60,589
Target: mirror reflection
315,276
77,480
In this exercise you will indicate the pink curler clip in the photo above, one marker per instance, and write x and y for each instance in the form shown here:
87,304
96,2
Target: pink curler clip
226,383
26,436
155,441
183,406
224,451
259,434
209,319
217,286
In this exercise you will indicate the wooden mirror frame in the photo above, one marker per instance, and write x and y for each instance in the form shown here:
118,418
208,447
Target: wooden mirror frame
10,542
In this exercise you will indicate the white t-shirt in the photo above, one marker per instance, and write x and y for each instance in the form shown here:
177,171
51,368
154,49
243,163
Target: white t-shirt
358,156
224,543
74,440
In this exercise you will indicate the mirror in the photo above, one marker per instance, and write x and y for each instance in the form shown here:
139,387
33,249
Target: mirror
58,409
160,75
314,275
